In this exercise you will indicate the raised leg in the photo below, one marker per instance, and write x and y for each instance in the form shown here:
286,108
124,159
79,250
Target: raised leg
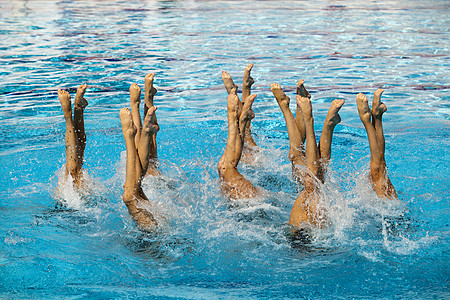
296,147
378,170
301,91
133,194
312,152
228,83
78,119
247,83
232,182
72,159
306,208
150,92
149,129
378,109
331,120
376,155
135,101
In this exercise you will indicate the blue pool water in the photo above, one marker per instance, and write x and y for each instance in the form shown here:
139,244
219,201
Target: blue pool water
88,247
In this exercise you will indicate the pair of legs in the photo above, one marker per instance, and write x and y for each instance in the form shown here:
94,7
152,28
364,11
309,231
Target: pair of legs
239,115
314,157
141,152
372,120
247,82
75,134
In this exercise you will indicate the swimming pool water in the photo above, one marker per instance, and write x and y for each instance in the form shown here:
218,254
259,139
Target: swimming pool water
56,243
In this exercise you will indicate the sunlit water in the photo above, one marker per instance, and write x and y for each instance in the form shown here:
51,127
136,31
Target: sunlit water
55,242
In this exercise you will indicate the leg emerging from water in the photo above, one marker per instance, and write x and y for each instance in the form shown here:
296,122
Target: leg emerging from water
150,92
250,146
73,166
378,170
247,83
133,195
233,183
78,119
306,208
296,146
301,91
331,120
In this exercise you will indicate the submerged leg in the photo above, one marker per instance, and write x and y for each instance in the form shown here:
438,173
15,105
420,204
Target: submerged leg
232,182
78,118
306,209
133,194
331,120
296,149
72,159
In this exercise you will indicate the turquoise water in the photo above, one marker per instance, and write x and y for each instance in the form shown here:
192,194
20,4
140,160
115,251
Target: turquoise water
63,244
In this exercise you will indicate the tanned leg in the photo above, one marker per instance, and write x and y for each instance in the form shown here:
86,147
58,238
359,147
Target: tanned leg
228,83
72,159
150,92
378,170
133,194
312,152
78,119
331,120
149,129
378,109
247,83
245,118
301,91
232,182
306,209
135,101
296,148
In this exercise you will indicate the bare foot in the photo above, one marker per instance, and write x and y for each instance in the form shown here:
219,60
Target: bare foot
150,91
150,124
378,107
282,99
80,102
305,105
333,117
135,94
247,112
229,84
301,90
128,128
363,107
248,80
64,98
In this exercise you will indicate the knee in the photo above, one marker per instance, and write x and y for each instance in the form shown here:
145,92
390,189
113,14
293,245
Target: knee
221,168
128,197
